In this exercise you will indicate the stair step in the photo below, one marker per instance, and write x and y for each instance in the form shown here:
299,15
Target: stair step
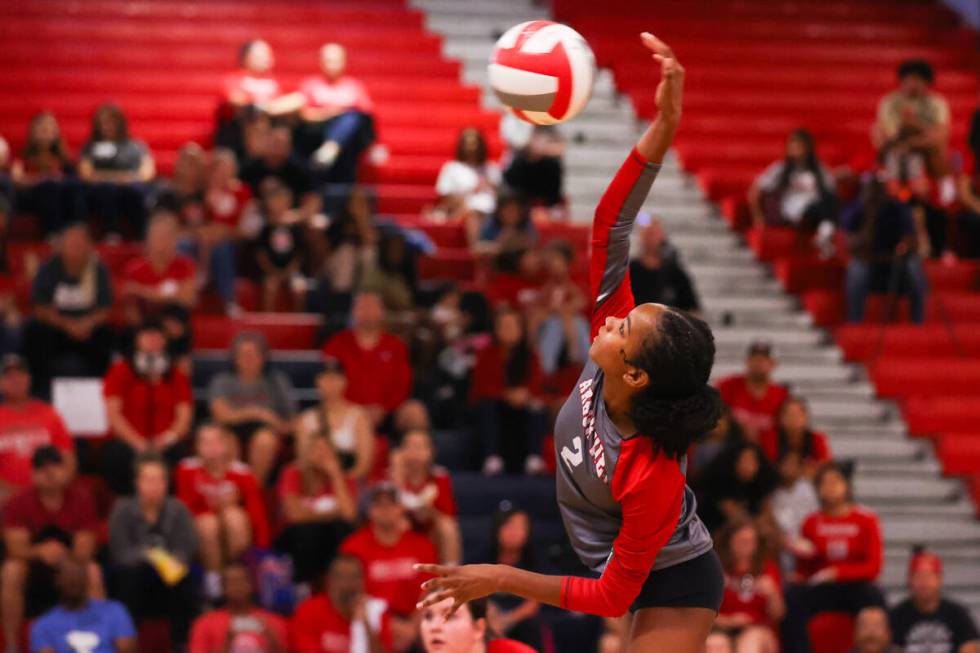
862,448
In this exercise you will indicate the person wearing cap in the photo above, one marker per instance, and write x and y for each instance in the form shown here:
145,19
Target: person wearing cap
928,622
753,397
346,423
148,407
42,525
378,373
389,549
25,425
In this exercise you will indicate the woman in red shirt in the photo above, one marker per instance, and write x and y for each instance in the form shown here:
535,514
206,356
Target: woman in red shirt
510,420
794,434
839,565
621,439
753,601
465,630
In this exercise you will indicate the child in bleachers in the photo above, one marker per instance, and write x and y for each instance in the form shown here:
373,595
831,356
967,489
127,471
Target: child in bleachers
793,433
280,248
226,503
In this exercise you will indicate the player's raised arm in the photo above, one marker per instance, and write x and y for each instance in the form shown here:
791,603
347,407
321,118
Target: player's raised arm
614,216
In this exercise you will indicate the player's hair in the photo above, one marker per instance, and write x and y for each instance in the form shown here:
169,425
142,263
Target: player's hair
677,406
916,68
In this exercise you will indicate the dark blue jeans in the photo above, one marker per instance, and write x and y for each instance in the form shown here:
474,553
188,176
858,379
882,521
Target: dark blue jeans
221,266
861,278
509,432
121,208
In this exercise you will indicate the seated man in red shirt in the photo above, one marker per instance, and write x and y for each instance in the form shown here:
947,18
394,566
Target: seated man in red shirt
148,406
366,349
226,502
753,397
41,526
26,424
161,283
389,550
240,625
343,619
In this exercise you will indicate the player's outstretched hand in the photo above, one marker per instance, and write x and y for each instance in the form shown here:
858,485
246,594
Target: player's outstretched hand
671,86
461,584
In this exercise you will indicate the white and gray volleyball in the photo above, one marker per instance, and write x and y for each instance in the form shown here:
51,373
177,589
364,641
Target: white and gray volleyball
542,71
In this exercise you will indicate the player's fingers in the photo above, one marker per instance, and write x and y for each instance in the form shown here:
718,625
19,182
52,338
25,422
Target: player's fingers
432,599
435,570
655,44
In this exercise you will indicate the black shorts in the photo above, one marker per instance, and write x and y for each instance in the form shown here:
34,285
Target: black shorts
697,583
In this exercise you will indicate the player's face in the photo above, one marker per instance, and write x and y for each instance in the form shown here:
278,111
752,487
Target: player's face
442,633
619,339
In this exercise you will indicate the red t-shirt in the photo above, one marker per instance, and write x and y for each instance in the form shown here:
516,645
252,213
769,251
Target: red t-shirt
202,492
850,544
318,627
508,646
742,595
342,94
225,206
489,374
23,430
513,290
243,87
388,570
435,490
77,512
322,499
757,413
818,454
166,281
210,633
150,406
378,376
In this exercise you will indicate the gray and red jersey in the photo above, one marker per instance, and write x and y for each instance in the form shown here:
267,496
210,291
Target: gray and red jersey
626,508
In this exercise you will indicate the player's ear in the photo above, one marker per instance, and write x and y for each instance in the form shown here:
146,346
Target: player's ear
636,377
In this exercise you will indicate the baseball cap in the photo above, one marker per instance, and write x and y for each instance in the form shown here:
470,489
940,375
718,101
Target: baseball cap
760,347
925,561
46,455
12,361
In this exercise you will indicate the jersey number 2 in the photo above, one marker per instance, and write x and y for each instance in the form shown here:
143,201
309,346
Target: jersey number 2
573,458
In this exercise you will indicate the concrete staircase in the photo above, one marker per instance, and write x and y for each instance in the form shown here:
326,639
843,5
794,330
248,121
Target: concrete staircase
896,476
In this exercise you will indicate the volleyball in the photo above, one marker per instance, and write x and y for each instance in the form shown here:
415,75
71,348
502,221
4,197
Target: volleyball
542,71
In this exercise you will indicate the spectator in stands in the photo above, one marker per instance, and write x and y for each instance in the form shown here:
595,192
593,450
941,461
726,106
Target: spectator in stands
838,571
557,315
796,191
509,228
968,218
753,604
366,348
388,548
69,334
336,112
426,492
81,622
657,276
885,240
226,502
6,188
753,397
510,420
162,283
117,169
251,88
536,170
792,502
318,505
183,193
793,433
347,424
351,239
40,175
280,247
278,161
26,424
152,543
253,402
467,185
412,414
738,484
518,275
11,321
726,433
911,132
926,620
390,271
344,618
43,525
871,632
466,630
148,408
511,544
240,625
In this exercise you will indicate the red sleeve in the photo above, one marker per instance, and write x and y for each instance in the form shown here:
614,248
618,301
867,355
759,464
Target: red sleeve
115,380
487,379
304,629
821,450
399,385
255,507
650,491
445,501
182,388
869,567
609,279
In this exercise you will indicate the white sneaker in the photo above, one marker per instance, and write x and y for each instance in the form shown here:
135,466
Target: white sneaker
947,191
534,465
326,154
494,465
